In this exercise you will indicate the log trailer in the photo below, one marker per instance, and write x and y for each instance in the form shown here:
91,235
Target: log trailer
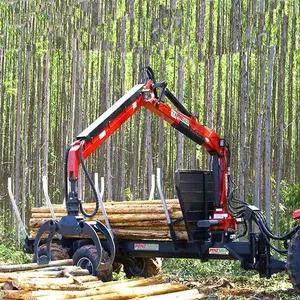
210,210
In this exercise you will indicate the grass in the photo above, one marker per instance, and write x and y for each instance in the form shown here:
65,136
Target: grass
218,279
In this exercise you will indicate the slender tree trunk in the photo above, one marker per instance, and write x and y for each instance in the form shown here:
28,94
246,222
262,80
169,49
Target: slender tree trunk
291,107
160,159
259,128
18,139
122,80
38,136
243,105
280,120
196,99
180,99
268,136
25,129
107,100
46,114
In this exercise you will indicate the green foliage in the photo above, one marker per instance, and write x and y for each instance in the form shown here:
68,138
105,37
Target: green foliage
10,255
290,193
128,194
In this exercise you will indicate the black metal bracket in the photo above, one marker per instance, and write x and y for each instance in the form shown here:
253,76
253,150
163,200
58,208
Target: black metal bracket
249,211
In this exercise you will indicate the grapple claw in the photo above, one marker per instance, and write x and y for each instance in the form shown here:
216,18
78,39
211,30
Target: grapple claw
111,245
72,225
51,227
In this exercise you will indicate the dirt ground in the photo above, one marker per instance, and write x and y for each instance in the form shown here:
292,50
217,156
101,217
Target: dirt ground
242,288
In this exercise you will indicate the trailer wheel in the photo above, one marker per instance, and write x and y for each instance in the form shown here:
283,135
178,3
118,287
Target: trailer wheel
144,267
86,257
58,252
293,260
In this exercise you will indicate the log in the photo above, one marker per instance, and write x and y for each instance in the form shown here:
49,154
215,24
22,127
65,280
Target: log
182,295
129,226
130,293
67,271
34,266
108,293
113,209
53,283
141,203
35,223
96,288
126,234
88,287
116,217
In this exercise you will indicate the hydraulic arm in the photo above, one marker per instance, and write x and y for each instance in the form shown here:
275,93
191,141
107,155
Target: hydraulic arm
150,95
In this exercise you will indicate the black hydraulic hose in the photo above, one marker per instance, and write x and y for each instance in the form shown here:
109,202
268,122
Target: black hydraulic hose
66,172
176,103
267,240
275,237
87,174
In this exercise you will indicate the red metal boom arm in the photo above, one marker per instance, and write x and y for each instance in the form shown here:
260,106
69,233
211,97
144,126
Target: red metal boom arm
144,95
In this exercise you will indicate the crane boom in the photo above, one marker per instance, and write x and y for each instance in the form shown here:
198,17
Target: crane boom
145,95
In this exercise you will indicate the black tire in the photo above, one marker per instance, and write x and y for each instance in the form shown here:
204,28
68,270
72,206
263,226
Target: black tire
58,252
293,261
86,257
144,267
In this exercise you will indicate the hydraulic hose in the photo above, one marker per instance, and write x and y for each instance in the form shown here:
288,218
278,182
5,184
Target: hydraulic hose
87,174
66,172
284,237
266,237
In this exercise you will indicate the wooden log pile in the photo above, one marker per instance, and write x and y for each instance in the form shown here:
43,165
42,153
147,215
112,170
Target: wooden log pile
129,219
60,280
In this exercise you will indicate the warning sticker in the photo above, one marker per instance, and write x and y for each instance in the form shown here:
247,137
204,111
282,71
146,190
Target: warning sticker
146,247
218,251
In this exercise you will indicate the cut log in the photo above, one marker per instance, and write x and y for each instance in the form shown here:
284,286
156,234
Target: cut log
66,271
141,203
182,295
36,223
69,286
126,234
131,226
118,217
113,209
52,283
34,266
130,293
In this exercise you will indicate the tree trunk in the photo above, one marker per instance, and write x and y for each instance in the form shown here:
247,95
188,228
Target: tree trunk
107,101
180,99
243,105
268,137
258,135
280,120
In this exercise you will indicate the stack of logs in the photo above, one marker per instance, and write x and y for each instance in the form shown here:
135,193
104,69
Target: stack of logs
129,219
61,280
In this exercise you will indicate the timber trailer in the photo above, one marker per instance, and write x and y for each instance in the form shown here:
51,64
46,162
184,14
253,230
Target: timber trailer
210,210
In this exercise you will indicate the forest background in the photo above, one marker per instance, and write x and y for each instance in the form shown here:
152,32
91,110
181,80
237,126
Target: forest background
233,63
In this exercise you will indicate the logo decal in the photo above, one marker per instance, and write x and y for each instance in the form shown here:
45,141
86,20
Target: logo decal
180,118
218,251
146,247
